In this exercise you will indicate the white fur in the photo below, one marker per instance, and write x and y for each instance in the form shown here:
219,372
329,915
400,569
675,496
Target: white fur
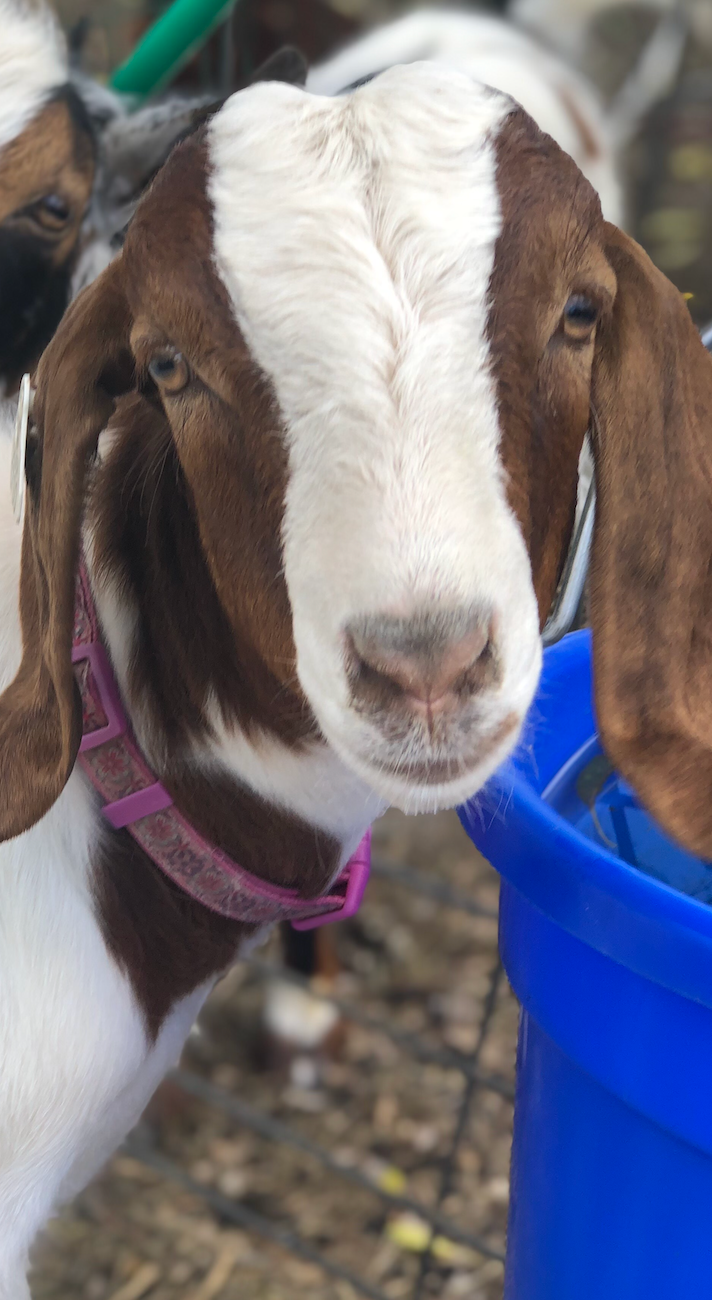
33,61
499,55
76,1067
356,238
313,782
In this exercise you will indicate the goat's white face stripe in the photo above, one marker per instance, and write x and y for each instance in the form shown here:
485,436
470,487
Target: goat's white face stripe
356,238
32,63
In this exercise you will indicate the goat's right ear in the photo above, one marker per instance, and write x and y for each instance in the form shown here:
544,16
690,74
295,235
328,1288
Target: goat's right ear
87,364
651,573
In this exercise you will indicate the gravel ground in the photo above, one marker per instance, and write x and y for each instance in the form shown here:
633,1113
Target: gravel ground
421,967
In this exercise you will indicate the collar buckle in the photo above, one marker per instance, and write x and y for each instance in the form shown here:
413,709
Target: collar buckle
355,876
115,726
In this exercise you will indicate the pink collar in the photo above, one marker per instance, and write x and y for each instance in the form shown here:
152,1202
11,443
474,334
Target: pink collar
133,799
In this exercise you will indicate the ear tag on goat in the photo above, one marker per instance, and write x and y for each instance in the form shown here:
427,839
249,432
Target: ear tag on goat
19,446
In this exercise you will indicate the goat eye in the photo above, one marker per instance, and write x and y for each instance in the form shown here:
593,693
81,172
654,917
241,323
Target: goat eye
580,316
52,212
169,370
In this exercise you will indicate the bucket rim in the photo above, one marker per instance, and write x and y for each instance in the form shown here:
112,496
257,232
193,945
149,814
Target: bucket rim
629,916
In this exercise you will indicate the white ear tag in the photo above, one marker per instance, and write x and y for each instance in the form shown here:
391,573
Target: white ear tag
19,447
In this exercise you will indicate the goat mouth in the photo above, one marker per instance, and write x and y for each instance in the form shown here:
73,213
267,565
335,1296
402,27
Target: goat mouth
441,771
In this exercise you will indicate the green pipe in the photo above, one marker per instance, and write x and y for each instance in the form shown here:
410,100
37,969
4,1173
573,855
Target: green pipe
170,43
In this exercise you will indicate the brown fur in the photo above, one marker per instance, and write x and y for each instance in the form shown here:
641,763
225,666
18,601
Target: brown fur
645,385
39,714
550,247
214,613
224,460
651,579
147,536
167,943
53,155
50,162
153,525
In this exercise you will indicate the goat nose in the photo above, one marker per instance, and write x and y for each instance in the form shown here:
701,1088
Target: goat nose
426,661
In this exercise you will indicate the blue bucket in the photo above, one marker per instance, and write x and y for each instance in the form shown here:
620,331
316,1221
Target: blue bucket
606,937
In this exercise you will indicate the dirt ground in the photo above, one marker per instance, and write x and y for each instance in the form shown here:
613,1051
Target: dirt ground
422,968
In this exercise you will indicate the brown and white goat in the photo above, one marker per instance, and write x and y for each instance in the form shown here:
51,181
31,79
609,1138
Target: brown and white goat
318,429
47,164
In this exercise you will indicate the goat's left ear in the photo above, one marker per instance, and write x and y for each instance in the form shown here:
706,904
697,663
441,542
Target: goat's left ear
87,364
651,574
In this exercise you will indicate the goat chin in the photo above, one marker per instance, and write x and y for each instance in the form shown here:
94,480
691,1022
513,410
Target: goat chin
402,790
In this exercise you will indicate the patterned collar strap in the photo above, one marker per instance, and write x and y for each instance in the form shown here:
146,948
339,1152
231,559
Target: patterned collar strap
134,800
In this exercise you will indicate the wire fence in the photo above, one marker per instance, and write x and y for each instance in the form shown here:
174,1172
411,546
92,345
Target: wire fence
244,1115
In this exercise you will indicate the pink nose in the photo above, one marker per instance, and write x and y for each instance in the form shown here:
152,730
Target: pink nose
427,663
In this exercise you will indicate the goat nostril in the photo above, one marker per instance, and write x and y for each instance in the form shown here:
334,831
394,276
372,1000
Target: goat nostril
425,662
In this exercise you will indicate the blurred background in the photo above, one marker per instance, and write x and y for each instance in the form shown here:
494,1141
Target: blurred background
374,1159
667,168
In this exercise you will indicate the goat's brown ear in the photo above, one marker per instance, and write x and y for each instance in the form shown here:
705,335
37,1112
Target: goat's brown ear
84,367
651,575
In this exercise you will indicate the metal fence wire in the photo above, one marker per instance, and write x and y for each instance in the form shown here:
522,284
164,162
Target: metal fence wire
436,1225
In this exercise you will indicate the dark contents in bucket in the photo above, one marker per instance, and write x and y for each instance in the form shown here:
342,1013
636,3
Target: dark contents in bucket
588,794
